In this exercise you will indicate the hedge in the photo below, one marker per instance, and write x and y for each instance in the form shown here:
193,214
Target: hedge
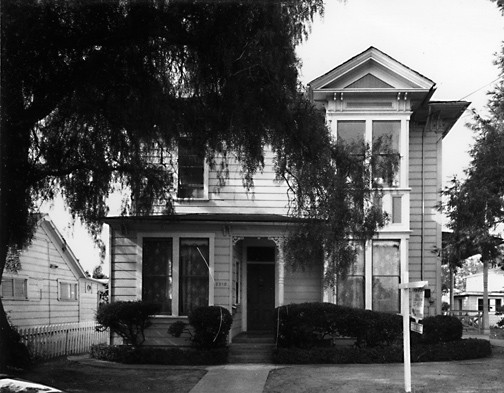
453,350
154,355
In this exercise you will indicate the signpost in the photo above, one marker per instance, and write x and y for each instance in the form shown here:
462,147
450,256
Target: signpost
411,307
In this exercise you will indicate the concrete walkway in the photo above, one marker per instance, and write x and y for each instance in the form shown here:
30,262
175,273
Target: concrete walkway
249,378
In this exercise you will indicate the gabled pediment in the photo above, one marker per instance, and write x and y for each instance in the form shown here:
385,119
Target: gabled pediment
369,81
372,70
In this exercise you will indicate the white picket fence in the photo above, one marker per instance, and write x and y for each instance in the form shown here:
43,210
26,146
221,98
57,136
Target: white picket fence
46,342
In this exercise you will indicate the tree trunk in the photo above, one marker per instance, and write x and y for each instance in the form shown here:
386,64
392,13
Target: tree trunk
485,326
452,297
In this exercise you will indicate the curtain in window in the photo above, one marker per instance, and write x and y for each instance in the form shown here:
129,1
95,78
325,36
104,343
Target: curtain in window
194,273
386,267
157,272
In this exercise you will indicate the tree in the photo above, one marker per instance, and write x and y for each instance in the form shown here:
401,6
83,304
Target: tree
91,88
88,87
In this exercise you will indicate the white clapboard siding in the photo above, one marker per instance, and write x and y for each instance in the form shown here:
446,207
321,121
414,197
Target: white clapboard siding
46,342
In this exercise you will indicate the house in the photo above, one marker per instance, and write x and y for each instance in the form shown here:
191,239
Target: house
223,244
51,287
471,299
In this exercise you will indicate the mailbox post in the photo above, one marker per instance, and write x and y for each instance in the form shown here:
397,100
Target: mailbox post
413,308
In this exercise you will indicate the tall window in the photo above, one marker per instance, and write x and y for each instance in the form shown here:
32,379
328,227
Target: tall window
14,288
191,170
157,272
350,292
385,145
194,269
176,273
386,270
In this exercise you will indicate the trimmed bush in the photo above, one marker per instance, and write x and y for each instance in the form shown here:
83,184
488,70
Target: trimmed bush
127,319
308,325
211,326
453,350
439,329
152,355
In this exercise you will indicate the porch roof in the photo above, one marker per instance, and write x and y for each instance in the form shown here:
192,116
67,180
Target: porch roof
206,217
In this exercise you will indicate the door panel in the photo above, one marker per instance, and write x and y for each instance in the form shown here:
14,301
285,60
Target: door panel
260,296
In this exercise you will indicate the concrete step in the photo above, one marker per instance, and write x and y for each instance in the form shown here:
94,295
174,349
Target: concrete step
250,353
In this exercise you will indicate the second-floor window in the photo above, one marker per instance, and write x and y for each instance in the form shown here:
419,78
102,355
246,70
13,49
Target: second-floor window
191,170
384,138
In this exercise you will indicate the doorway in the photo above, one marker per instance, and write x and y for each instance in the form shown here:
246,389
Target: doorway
260,288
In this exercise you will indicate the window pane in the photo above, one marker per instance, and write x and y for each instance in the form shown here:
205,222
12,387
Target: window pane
396,209
157,272
388,132
351,292
352,133
8,287
386,269
194,272
386,294
386,258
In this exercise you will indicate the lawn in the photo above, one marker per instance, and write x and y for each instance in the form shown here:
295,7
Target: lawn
74,377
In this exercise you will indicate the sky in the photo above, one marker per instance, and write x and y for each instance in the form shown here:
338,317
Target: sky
452,42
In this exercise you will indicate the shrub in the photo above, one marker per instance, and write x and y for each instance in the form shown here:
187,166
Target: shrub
439,329
127,319
454,350
153,355
308,325
211,326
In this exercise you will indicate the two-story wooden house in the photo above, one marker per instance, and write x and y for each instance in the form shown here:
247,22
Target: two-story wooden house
223,244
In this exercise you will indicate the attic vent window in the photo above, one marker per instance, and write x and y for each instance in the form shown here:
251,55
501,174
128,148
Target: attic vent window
369,105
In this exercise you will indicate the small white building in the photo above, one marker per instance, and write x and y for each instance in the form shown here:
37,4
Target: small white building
472,298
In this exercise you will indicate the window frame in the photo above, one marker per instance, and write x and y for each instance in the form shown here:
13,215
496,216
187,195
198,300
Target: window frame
176,236
403,118
68,282
177,178
14,279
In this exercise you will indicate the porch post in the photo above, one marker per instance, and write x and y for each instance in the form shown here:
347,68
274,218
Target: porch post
281,269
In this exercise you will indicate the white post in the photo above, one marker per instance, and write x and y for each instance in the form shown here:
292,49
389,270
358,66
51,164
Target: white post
405,311
406,339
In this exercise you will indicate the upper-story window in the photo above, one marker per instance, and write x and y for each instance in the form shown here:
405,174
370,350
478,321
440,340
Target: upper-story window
192,171
385,145
384,138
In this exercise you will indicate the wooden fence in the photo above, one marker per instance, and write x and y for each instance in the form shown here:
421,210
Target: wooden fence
46,342
471,320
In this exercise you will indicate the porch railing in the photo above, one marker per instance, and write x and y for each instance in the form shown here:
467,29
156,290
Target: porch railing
46,342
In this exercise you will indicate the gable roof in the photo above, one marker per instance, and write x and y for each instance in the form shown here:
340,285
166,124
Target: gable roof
376,63
63,248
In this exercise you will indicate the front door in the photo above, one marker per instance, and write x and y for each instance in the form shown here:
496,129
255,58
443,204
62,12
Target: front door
260,296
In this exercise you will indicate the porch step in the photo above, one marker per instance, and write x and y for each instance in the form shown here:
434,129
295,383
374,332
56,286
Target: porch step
250,352
251,347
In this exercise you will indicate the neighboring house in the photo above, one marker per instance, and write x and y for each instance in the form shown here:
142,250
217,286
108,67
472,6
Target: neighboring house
472,298
223,244
51,287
